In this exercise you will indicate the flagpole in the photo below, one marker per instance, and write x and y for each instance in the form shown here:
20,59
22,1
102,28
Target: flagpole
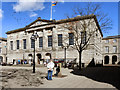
51,13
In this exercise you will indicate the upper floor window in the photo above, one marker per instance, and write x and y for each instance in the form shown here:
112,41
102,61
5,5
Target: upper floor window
106,49
0,50
11,45
32,43
18,44
49,41
71,39
40,41
83,37
107,41
114,40
114,49
59,39
24,43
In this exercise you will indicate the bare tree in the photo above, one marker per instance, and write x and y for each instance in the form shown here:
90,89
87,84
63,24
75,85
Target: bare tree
84,29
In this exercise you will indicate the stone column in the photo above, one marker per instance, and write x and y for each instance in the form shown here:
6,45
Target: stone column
54,36
110,59
45,41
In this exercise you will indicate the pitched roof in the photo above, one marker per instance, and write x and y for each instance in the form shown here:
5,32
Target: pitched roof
111,37
3,39
50,22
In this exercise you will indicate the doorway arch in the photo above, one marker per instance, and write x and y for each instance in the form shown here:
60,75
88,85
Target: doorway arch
1,59
106,60
48,54
30,59
48,57
114,59
39,58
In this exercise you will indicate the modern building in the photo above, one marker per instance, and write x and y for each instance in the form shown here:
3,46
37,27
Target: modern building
52,37
3,48
111,49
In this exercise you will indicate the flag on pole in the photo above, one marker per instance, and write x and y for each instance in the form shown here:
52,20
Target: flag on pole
54,3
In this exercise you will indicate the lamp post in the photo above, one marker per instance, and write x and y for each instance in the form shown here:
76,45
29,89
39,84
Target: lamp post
34,38
65,46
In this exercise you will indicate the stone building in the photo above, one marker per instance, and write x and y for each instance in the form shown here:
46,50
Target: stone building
111,49
49,43
3,48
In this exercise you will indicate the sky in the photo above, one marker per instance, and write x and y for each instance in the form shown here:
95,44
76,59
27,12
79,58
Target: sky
15,15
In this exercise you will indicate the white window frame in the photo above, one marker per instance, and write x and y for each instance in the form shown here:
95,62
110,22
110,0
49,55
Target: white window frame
114,49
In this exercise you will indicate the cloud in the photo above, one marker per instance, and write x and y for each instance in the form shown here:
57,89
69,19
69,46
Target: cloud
1,12
33,14
28,5
62,1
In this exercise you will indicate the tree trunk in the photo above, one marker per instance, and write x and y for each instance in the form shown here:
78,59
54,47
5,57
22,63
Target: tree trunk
80,54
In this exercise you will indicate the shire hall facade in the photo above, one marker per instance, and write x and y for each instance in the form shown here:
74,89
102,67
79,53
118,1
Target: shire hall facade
52,38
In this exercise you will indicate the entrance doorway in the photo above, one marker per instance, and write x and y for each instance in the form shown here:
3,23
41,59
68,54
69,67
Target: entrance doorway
48,57
30,59
1,59
39,58
106,60
114,59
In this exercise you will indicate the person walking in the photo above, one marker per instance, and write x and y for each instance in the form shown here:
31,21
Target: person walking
50,67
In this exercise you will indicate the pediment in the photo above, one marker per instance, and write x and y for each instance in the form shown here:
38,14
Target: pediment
38,23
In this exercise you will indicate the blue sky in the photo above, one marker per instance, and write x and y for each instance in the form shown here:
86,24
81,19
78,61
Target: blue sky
17,15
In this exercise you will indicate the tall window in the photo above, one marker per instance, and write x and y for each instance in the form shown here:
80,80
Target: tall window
32,43
71,39
17,44
40,41
106,49
49,41
0,50
59,39
24,43
83,37
11,45
114,49
114,40
107,41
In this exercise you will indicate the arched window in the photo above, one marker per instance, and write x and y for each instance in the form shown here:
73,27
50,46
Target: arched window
106,60
114,59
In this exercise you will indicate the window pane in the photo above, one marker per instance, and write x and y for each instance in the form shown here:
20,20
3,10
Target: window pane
11,45
24,43
114,49
32,43
17,44
0,50
106,49
114,40
107,41
41,42
83,37
60,40
71,39
49,41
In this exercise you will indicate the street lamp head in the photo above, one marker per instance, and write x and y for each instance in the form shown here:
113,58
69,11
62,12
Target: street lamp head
65,45
34,36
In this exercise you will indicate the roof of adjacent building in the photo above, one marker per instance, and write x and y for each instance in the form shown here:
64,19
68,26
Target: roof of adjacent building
3,39
50,22
112,37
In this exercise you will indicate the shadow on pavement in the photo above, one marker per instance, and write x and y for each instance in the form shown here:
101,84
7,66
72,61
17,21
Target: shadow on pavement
106,74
